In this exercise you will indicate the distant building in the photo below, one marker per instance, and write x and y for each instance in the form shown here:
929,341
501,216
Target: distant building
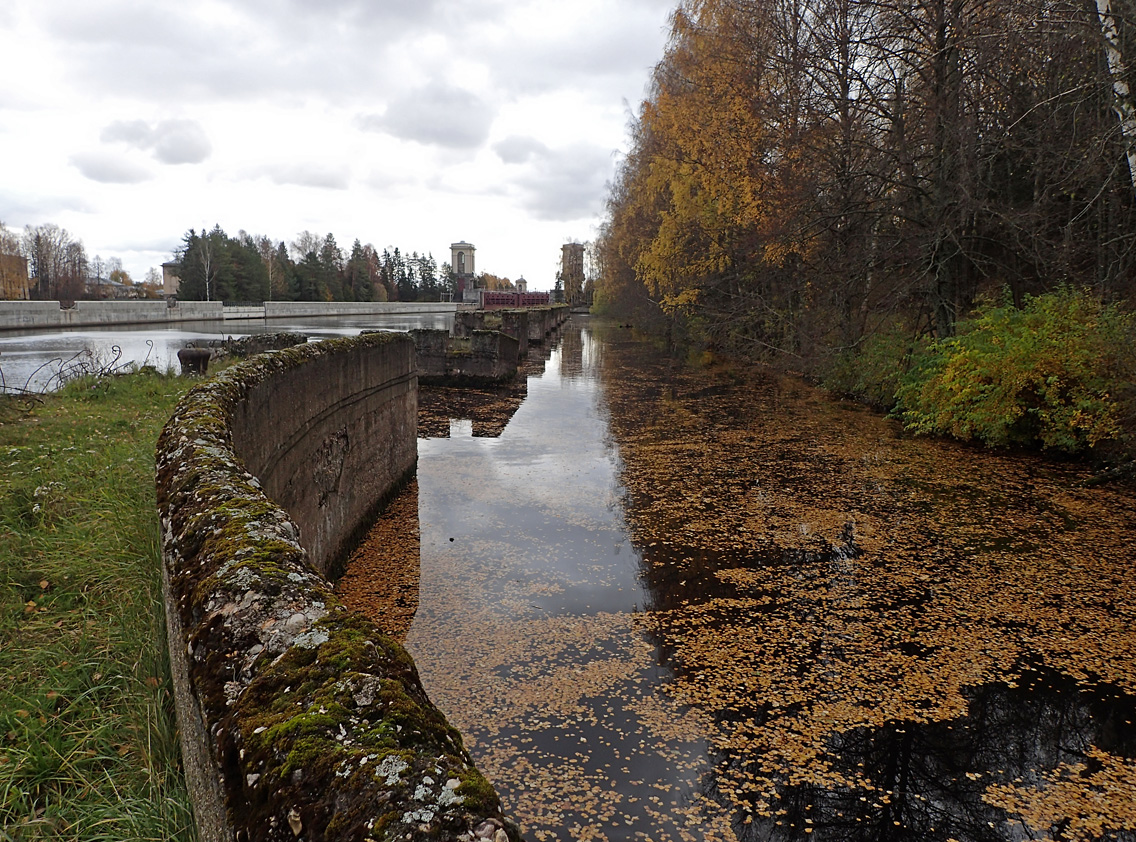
572,272
522,285
170,280
14,284
99,288
462,265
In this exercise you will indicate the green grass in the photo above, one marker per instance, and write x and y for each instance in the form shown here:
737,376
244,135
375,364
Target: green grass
88,738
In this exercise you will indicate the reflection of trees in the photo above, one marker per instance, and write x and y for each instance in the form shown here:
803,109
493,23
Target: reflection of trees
854,611
490,408
929,779
580,351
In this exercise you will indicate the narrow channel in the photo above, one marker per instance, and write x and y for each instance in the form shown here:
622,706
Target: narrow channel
669,603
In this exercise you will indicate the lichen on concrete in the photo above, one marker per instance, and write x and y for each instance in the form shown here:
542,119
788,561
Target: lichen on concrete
317,726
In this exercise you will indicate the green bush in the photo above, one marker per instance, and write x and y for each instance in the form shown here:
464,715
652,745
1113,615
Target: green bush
872,373
1048,373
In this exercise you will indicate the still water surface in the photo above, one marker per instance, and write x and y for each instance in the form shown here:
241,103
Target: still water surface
674,605
33,360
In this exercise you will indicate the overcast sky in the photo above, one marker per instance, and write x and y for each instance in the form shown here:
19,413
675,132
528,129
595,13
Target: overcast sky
410,123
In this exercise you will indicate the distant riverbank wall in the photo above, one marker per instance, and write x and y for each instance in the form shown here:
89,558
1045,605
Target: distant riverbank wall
298,719
31,315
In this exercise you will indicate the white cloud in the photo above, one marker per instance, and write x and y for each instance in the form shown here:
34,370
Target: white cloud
170,141
109,168
436,115
310,174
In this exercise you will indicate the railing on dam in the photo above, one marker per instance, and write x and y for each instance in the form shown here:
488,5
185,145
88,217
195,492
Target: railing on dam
298,719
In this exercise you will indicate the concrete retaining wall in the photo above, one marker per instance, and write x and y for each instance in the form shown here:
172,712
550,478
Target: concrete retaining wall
48,314
298,719
292,309
484,356
544,320
25,315
514,323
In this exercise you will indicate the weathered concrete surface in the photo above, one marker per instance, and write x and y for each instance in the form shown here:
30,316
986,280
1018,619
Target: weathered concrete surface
484,356
292,309
544,320
514,323
25,315
298,719
48,314
258,343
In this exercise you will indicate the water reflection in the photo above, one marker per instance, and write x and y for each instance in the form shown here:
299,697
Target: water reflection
487,410
895,638
31,359
932,779
674,605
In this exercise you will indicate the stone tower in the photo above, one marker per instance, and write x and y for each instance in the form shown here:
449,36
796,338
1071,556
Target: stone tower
461,259
572,272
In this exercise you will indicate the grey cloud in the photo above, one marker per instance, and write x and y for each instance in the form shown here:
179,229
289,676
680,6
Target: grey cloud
17,211
134,132
517,150
317,175
435,115
108,168
181,142
170,141
335,49
567,184
578,59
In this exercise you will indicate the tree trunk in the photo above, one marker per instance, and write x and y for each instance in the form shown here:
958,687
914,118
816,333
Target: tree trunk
1122,94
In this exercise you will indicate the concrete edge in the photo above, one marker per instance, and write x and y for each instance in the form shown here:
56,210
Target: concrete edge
298,719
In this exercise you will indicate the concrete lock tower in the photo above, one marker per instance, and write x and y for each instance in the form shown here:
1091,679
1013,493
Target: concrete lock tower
461,262
461,259
572,272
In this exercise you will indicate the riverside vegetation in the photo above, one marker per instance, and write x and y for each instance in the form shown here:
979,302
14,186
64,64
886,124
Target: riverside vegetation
928,205
88,737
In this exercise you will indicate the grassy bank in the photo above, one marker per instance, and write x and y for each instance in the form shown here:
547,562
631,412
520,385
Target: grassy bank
88,740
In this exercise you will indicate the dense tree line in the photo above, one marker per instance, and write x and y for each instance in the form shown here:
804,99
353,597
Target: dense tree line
214,266
58,268
807,174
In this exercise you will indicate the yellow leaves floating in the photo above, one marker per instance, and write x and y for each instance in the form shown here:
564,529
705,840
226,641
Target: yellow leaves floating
381,580
1085,800
822,599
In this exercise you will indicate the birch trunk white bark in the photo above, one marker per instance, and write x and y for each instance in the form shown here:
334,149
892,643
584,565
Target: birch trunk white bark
1121,93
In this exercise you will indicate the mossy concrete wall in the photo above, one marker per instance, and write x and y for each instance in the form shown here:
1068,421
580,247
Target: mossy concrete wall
544,320
482,356
514,323
300,720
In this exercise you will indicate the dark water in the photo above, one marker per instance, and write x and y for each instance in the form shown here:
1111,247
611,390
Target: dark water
670,604
34,360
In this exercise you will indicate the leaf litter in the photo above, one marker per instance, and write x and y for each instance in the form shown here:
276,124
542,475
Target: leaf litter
837,630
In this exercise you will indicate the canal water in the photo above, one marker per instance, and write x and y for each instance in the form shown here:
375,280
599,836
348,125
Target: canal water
675,603
665,603
38,360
